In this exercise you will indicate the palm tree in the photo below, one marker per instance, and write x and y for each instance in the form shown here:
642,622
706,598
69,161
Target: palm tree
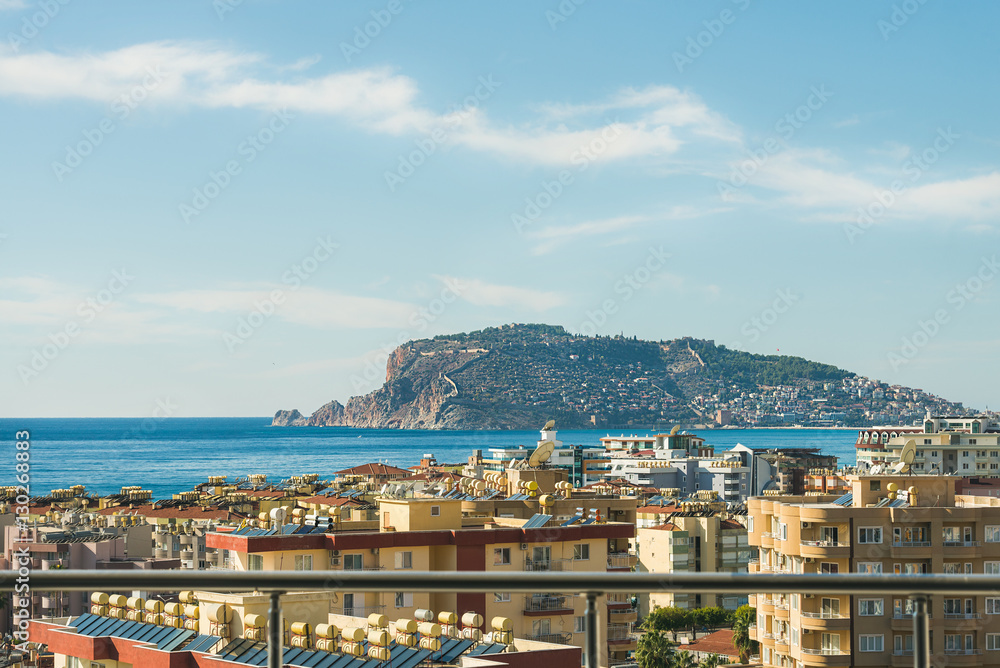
744,618
711,661
654,650
684,659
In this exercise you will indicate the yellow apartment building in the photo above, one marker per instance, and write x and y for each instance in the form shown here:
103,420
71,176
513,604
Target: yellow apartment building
426,534
886,524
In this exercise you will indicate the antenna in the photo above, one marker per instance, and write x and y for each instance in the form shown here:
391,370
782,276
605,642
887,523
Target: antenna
541,454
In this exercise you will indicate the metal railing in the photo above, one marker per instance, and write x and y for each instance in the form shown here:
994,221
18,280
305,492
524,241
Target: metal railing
591,585
545,603
911,543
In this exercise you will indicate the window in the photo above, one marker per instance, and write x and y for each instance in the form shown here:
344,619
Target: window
829,567
875,486
952,642
993,641
953,606
435,511
870,535
991,567
952,568
784,531
993,605
404,560
501,597
501,556
831,642
255,562
404,599
993,534
903,644
750,523
353,562
870,642
870,607
830,608
579,624
581,552
870,567
303,562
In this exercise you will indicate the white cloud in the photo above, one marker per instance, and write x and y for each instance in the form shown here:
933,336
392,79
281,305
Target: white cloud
480,293
660,119
6,5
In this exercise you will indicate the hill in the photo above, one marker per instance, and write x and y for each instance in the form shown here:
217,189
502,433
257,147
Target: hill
519,376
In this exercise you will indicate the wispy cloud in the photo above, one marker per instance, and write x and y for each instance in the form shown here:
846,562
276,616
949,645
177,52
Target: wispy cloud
481,293
655,121
6,5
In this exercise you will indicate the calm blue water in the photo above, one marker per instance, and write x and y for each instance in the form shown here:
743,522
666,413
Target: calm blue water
171,455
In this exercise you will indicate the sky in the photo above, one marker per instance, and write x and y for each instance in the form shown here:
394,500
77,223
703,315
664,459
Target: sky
233,207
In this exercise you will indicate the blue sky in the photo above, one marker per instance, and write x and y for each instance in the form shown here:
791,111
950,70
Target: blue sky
234,207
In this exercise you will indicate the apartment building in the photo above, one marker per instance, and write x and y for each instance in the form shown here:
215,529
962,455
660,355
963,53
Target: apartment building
903,524
960,445
426,534
692,538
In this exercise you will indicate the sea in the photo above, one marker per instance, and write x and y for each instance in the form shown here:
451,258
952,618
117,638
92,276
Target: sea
170,455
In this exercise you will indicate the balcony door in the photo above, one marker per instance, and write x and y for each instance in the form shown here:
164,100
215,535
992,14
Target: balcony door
541,557
830,609
829,535
831,643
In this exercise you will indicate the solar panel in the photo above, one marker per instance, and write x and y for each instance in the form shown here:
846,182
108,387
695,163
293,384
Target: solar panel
173,642
572,520
453,652
495,648
412,659
289,528
589,520
236,647
845,500
537,520
202,643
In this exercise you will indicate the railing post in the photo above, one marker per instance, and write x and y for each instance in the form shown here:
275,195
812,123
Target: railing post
921,633
590,625
275,632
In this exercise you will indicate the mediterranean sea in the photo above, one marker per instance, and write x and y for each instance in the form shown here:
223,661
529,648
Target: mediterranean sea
170,455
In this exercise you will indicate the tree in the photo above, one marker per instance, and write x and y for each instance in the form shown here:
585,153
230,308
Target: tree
654,650
711,661
671,619
683,659
744,618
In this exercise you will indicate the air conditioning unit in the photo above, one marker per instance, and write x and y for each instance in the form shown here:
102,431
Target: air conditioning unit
807,631
810,595
806,525
809,560
524,546
336,553
374,550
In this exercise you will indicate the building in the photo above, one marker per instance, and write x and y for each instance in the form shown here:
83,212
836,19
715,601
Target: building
901,524
694,537
427,534
583,464
962,445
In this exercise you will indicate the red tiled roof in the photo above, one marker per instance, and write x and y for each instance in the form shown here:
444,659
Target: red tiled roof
332,501
374,469
659,510
189,512
730,524
668,526
720,642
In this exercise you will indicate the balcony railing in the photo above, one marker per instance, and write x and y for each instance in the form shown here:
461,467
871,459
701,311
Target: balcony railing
545,603
918,588
355,610
824,543
536,565
825,652
621,560
824,615
911,543
557,638
960,652
962,615
962,543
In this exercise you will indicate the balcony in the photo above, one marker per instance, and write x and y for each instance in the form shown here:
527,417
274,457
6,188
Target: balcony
962,615
824,652
825,615
911,543
535,566
962,652
622,615
962,543
556,638
622,560
547,604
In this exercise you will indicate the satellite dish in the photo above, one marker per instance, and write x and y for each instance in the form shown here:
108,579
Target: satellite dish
875,470
541,454
677,428
906,457
549,425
